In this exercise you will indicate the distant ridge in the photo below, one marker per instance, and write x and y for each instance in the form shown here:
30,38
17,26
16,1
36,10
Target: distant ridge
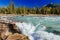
53,5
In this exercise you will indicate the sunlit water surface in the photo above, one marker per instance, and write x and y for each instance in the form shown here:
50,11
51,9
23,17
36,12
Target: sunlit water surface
39,28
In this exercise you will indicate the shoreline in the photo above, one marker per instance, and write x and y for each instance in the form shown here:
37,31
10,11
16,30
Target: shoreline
10,15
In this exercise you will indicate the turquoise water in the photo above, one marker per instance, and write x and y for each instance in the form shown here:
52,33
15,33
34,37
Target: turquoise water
53,22
39,28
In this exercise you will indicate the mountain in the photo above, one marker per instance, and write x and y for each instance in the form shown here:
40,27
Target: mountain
53,5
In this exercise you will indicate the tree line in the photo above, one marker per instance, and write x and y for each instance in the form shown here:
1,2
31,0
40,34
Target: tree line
25,10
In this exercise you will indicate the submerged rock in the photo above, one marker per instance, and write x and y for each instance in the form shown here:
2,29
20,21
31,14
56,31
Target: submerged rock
56,32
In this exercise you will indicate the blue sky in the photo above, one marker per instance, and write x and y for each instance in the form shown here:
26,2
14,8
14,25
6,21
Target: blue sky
28,3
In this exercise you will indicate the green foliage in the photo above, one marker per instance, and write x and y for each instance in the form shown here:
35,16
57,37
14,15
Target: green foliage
24,10
11,9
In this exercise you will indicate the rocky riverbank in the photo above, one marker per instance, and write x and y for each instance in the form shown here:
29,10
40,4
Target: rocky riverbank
10,31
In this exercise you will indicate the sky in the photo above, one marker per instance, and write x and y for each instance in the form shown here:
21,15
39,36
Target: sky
28,3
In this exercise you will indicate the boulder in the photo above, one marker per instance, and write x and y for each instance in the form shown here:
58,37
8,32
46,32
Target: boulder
10,31
17,36
4,35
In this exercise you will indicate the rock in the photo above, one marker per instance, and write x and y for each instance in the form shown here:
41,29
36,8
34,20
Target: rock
3,29
4,35
56,32
17,36
13,28
10,31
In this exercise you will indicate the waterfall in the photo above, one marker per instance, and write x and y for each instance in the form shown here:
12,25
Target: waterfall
37,32
26,28
29,30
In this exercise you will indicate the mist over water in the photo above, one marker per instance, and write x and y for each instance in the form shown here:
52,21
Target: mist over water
35,27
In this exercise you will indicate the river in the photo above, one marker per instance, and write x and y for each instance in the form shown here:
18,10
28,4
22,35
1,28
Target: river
39,28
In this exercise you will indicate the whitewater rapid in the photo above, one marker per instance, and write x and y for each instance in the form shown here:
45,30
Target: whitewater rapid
29,30
37,32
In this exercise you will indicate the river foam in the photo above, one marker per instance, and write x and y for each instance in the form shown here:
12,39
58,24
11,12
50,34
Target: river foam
28,29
